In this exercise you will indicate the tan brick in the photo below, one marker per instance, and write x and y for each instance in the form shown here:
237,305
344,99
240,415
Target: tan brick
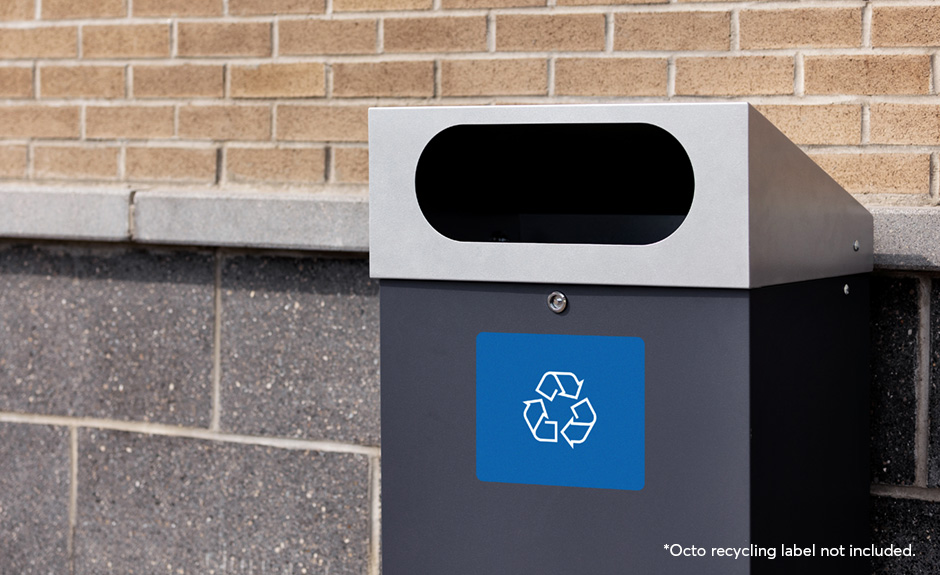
306,165
171,164
62,9
162,8
672,31
12,161
525,32
132,122
610,77
351,165
811,27
57,42
905,26
734,76
258,7
185,81
74,163
435,34
528,77
817,125
278,81
867,74
607,3
905,124
16,82
323,123
17,10
376,5
458,4
327,37
126,41
878,173
225,122
414,79
81,82
39,122
224,39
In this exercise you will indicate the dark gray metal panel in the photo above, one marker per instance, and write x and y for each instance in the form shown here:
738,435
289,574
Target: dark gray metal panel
438,518
809,421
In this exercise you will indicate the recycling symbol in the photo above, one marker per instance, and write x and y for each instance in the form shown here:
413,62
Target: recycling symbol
560,384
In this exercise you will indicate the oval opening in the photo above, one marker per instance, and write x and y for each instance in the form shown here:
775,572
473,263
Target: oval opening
555,183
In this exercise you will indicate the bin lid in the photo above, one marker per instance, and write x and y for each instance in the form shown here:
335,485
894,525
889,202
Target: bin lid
691,195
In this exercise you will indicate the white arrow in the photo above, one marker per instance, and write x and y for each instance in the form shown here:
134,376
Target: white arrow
588,424
556,378
543,417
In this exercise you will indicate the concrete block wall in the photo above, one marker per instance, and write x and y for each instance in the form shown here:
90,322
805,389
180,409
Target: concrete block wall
905,418
186,411
227,94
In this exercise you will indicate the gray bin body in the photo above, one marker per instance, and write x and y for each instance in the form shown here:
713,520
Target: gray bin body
754,377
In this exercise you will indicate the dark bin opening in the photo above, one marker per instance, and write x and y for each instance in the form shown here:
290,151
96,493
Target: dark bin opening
555,183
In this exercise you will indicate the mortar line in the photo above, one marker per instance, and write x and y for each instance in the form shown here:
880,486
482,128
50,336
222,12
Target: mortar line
438,82
922,391
609,32
174,34
933,88
328,82
735,30
905,492
866,25
380,36
275,38
934,192
167,430
36,93
490,31
122,161
30,158
131,232
799,83
375,486
866,123
670,76
73,495
551,77
38,14
217,344
328,167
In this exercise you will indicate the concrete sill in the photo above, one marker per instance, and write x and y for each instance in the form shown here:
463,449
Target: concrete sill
328,218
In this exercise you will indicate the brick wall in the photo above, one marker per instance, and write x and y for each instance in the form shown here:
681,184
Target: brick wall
271,93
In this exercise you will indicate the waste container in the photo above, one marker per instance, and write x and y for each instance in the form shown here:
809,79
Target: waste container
616,339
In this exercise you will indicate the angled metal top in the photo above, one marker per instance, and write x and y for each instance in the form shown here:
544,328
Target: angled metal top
762,213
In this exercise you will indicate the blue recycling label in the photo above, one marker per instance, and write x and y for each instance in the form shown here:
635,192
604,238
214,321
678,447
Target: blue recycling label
565,410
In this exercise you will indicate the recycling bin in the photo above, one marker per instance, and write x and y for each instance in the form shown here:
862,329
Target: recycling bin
617,339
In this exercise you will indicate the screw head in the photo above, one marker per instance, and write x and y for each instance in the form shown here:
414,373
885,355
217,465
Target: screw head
557,301
856,245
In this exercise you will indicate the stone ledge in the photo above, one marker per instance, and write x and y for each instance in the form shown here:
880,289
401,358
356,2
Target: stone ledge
330,218
99,214
907,238
286,220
